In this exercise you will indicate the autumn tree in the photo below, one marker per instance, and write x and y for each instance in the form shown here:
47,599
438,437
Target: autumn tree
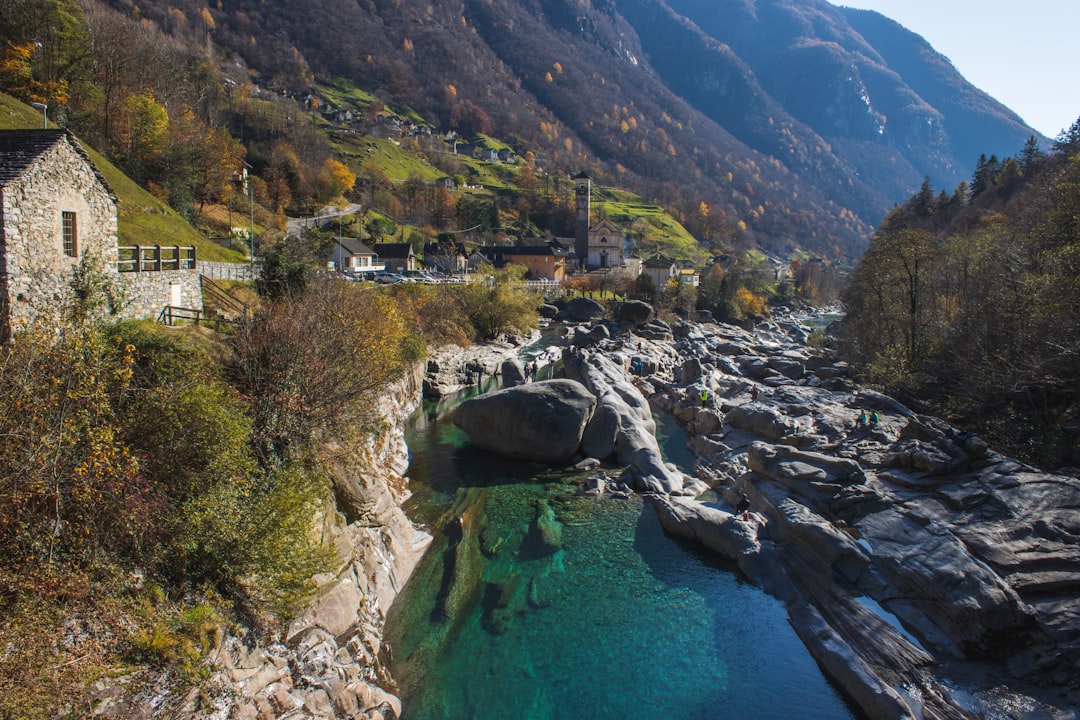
500,303
335,179
45,54
143,136
202,161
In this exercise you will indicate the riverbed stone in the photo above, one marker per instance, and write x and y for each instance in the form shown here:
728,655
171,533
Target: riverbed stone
541,421
764,420
513,374
633,312
582,309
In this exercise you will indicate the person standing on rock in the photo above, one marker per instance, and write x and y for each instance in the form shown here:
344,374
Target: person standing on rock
874,418
704,397
743,508
753,392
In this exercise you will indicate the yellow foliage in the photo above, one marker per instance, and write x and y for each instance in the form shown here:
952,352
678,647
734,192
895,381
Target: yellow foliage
341,177
749,304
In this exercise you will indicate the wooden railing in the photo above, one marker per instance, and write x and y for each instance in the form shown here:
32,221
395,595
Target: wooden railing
170,314
225,306
155,258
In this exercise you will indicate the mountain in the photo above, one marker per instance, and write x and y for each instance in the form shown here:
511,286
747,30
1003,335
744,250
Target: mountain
797,122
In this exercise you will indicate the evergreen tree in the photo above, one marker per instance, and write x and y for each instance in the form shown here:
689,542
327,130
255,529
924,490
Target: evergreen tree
1030,154
1067,143
960,195
923,202
986,170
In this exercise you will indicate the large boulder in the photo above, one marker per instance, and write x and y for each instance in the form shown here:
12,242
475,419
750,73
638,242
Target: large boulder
541,421
766,421
654,330
513,374
634,312
582,310
587,336
624,425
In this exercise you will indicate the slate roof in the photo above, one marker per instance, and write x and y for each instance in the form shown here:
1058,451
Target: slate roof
20,148
354,246
393,250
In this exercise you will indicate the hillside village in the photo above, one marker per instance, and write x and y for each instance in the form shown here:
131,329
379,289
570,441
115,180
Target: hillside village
164,282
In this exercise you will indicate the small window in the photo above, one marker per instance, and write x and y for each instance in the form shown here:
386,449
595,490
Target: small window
71,235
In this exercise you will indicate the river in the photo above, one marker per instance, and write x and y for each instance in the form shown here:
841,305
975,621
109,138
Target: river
620,621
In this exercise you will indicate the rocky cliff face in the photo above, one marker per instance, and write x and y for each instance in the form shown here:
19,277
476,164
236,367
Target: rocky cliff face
331,662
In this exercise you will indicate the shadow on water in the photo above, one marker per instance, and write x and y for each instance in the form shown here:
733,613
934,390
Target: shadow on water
535,602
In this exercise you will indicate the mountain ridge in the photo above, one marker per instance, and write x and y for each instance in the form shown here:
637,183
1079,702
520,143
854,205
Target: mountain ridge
800,123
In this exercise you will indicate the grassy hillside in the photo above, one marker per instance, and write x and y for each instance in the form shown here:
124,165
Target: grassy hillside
143,219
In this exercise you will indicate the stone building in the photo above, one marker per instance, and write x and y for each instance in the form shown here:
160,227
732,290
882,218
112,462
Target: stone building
605,248
543,262
58,211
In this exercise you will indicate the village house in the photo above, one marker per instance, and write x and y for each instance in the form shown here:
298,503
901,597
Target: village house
58,212
661,269
352,256
445,256
397,257
544,262
688,275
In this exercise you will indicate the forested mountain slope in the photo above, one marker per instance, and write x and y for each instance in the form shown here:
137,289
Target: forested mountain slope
803,121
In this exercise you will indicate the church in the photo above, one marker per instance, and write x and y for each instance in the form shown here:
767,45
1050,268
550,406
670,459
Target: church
598,247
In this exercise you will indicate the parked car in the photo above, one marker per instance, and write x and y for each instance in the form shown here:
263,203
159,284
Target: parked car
389,278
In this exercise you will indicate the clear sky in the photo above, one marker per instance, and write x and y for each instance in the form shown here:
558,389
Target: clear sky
1025,54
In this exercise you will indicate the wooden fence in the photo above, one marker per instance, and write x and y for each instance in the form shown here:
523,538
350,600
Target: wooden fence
155,258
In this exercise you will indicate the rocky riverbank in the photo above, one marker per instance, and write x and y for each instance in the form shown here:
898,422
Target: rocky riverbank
929,576
331,661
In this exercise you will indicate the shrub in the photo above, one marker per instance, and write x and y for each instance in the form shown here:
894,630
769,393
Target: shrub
313,363
502,304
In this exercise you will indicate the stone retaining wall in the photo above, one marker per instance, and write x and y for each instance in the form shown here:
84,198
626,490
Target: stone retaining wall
148,293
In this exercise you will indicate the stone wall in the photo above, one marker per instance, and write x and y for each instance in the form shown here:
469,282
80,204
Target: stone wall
147,293
228,271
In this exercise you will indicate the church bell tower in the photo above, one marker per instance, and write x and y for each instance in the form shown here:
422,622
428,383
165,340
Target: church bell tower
583,193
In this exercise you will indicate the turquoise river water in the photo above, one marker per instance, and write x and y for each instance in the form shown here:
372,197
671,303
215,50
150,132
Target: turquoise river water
621,621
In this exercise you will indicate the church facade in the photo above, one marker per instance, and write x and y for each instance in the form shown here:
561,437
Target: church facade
605,248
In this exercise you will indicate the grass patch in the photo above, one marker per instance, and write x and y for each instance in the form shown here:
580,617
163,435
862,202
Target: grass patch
396,162
649,224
